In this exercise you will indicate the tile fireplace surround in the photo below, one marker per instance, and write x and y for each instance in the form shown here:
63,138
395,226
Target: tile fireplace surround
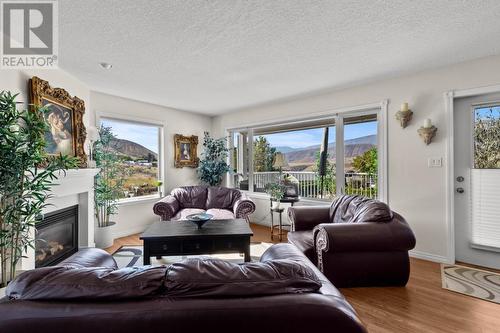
74,188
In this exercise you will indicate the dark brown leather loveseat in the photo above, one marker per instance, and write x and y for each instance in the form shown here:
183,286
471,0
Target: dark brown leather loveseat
355,241
221,202
143,301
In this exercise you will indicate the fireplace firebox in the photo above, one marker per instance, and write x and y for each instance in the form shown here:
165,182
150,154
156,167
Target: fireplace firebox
56,236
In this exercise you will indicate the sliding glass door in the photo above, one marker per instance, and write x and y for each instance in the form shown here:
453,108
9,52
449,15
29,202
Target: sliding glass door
360,142
325,157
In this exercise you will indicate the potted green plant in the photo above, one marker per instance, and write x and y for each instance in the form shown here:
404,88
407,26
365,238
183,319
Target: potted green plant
108,187
213,164
276,191
24,186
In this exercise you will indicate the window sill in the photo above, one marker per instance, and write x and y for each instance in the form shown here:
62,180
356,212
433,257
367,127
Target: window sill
485,247
136,200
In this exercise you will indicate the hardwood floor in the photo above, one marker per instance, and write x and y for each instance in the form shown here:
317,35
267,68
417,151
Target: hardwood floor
421,306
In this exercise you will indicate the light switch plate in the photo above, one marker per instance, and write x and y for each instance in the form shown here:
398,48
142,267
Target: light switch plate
435,162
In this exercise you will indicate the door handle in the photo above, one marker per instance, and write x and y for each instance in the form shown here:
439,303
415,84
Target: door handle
460,190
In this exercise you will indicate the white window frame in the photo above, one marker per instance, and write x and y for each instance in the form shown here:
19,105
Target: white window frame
162,153
380,109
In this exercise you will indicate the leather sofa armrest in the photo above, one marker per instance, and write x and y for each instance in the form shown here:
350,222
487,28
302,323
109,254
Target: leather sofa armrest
243,207
166,207
307,217
365,236
90,257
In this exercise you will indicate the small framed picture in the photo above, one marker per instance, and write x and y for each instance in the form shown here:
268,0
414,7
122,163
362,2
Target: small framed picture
186,151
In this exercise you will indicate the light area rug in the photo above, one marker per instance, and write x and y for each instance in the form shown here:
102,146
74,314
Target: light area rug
131,255
472,282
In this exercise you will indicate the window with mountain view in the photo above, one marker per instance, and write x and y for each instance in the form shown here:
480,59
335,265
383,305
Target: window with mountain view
138,146
301,148
310,153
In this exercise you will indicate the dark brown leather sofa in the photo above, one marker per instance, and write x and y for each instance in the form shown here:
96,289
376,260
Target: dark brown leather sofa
355,241
222,202
148,311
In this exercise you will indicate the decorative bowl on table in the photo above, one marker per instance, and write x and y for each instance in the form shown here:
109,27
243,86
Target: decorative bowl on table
199,219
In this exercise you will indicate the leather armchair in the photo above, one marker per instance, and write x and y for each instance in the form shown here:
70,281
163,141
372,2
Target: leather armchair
355,242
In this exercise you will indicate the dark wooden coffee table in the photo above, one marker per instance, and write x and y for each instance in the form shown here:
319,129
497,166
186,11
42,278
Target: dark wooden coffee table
173,238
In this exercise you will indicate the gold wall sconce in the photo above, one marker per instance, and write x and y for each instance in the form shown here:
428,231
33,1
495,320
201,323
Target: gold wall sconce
427,132
404,115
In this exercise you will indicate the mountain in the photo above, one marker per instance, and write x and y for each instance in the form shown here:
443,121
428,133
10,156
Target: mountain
369,139
131,149
353,147
286,149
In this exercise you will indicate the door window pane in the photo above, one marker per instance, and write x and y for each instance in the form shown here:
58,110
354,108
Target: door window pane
360,155
487,137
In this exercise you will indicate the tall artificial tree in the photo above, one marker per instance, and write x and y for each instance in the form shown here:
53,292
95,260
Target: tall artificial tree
108,182
213,164
24,186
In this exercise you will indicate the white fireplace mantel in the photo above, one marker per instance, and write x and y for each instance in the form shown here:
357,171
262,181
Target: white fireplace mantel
75,186
74,181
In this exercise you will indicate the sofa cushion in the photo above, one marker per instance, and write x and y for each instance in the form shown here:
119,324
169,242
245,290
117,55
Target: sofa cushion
354,209
181,215
219,278
303,240
65,282
222,197
191,196
221,214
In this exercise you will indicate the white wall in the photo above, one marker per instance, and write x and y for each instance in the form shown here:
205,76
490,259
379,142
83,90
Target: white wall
17,81
414,190
134,217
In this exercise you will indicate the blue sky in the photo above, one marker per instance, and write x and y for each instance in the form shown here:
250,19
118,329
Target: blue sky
311,137
483,112
144,135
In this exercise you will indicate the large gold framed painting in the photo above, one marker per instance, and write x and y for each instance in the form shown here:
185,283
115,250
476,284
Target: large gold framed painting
66,133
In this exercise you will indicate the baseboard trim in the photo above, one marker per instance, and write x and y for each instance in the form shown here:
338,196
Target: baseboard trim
428,257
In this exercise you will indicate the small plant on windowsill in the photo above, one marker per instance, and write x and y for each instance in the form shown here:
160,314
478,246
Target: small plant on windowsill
159,185
276,191
24,187
108,186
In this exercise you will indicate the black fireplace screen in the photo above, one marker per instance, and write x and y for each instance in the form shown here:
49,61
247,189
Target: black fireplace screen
56,236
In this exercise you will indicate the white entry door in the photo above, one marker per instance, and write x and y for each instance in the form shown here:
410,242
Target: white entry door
477,180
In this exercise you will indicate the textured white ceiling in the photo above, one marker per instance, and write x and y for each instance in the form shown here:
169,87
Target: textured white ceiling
218,56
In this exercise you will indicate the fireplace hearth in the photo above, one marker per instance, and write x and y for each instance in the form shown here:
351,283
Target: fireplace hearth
56,236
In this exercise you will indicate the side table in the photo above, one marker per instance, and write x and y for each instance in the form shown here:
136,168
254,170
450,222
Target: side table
280,211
